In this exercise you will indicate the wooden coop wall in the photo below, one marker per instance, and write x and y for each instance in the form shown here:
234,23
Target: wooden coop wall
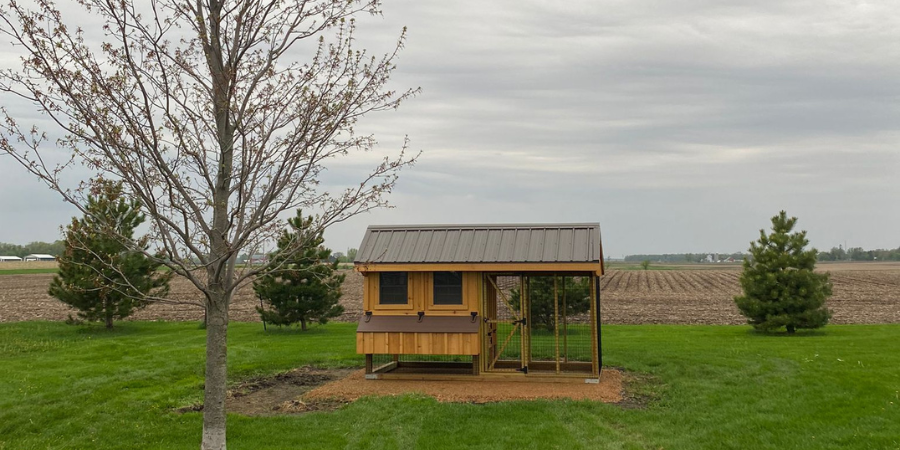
421,298
418,343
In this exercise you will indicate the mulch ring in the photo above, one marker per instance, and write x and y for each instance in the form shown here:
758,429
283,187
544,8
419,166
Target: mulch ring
308,389
280,394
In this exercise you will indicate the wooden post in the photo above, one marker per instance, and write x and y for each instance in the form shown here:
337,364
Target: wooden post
368,363
556,317
525,310
565,323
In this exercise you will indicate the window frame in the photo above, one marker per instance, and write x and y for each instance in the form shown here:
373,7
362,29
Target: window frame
405,305
463,301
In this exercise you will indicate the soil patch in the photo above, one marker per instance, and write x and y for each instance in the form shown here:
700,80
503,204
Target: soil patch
280,394
354,386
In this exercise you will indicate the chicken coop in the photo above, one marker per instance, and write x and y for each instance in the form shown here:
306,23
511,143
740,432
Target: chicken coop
512,302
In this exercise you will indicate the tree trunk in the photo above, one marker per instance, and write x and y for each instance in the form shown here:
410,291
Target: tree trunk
107,312
216,374
791,329
221,267
302,324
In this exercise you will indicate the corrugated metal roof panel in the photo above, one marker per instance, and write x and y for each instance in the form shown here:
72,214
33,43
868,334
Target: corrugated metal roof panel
422,244
507,245
581,243
523,238
448,253
463,246
535,246
564,245
550,245
436,248
481,243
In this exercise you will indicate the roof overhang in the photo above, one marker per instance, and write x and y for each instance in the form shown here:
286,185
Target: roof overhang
487,247
581,267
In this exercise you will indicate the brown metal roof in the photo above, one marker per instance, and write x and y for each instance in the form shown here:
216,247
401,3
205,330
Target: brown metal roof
546,243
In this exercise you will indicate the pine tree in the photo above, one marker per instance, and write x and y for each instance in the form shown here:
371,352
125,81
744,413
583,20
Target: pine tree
98,274
572,293
303,287
780,286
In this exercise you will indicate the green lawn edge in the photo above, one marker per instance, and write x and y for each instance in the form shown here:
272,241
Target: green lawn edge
708,387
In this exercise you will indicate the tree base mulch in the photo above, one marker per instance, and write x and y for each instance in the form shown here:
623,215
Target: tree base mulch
280,394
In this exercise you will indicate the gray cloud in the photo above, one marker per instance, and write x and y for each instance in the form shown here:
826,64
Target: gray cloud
678,125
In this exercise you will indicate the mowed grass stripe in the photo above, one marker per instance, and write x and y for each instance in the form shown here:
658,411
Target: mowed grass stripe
713,387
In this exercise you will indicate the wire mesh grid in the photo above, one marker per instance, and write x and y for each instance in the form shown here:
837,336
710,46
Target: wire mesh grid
559,316
504,327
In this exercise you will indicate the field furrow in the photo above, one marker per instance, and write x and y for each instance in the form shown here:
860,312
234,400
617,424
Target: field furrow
862,294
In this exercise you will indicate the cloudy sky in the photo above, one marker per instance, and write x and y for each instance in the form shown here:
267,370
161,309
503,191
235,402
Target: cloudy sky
679,126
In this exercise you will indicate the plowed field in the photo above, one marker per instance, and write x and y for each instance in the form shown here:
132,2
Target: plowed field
863,293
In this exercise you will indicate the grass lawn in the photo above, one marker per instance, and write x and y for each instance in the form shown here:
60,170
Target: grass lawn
715,387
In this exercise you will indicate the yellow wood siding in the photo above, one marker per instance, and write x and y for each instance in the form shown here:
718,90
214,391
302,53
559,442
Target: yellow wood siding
418,343
421,296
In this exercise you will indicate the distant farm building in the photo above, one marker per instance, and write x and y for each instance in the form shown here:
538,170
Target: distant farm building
9,259
39,257
486,301
258,260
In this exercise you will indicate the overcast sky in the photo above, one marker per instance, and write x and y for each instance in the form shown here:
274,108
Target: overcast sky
679,126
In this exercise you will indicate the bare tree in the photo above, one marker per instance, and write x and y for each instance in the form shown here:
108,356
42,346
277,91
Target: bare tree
200,109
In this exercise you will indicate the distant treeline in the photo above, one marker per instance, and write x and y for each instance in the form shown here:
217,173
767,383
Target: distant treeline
835,254
685,257
859,254
40,248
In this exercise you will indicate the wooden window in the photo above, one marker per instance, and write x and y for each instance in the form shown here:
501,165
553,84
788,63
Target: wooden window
392,288
448,288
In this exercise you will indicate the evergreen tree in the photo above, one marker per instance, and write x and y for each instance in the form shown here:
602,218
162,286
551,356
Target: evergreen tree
100,275
303,287
780,287
573,294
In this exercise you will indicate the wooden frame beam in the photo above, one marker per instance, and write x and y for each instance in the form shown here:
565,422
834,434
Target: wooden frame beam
595,267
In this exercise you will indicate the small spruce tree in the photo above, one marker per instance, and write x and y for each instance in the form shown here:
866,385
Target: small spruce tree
304,287
781,290
101,276
573,292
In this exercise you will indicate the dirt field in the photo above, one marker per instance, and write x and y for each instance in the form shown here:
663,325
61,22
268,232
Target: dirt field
863,293
24,297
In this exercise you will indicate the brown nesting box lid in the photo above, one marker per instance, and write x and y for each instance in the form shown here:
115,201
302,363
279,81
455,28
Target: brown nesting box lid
412,324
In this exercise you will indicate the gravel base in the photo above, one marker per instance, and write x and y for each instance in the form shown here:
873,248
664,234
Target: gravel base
354,386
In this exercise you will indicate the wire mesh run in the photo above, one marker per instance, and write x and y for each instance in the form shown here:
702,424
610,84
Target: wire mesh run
539,323
505,322
438,364
559,315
